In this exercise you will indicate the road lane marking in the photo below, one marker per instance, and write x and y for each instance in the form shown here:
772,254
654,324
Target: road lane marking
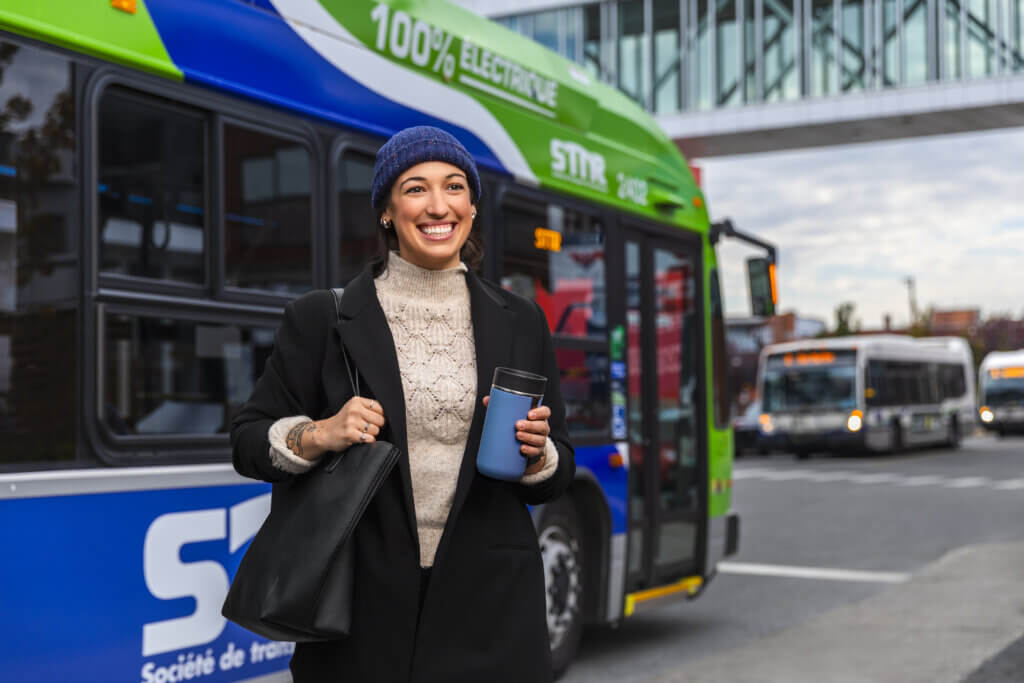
921,480
968,482
822,573
853,477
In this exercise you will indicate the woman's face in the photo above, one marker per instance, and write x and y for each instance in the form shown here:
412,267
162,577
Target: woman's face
431,213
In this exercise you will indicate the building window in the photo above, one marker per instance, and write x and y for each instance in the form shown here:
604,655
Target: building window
633,52
666,56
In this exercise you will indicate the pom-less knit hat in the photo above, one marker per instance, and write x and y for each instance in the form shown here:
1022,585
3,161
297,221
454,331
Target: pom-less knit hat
412,146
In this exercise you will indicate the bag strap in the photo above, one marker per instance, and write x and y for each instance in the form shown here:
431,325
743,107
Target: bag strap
353,378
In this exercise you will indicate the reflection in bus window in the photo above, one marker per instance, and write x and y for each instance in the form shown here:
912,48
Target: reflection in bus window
39,238
676,326
164,376
566,279
151,189
358,224
267,212
585,389
635,408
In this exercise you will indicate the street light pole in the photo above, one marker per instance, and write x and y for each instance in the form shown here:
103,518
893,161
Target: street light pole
909,281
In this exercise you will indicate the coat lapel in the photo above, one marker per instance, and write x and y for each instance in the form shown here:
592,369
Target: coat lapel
492,324
367,337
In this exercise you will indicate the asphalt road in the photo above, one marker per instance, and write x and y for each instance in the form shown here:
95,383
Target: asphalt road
890,518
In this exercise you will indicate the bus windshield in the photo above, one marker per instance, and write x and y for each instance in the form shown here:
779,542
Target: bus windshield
813,379
1003,386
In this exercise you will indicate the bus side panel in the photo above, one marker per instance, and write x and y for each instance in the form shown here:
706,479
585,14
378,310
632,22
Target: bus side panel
128,586
613,480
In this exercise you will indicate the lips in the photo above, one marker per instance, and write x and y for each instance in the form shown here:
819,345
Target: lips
437,231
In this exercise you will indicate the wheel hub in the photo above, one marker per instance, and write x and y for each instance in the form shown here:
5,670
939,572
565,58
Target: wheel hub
562,581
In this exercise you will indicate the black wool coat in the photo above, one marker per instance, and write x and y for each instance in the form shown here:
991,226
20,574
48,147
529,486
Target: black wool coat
483,616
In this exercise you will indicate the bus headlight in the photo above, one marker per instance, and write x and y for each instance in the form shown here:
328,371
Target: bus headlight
766,423
986,414
855,421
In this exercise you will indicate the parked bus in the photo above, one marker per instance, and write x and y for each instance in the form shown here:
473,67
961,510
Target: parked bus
865,393
173,172
1001,392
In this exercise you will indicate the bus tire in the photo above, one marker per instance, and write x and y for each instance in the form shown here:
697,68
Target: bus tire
896,437
802,454
953,441
561,549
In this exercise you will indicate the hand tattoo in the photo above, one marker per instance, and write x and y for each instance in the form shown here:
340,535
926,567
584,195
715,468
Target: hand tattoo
294,438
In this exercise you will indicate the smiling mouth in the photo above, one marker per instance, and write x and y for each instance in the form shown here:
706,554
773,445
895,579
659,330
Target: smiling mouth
437,230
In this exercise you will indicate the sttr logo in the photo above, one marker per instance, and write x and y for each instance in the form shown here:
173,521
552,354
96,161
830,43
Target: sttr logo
575,163
168,578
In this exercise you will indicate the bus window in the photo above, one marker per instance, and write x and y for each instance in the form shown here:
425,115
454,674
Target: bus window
164,376
719,362
358,225
585,390
151,192
268,222
556,257
39,262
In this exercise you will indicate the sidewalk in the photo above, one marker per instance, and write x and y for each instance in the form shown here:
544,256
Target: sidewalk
962,615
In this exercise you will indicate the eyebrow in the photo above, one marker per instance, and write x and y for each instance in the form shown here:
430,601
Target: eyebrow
423,180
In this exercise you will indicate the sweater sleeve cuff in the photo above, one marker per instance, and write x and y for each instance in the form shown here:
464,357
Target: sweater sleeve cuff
550,465
281,456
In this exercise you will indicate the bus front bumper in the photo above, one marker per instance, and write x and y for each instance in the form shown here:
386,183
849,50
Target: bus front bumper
833,440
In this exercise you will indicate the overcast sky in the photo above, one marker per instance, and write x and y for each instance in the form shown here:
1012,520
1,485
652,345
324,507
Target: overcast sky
852,222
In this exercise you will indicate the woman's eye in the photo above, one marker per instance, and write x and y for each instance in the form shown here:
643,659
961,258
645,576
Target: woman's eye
415,188
456,186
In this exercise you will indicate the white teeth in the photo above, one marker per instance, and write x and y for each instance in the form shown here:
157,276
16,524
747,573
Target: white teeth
438,229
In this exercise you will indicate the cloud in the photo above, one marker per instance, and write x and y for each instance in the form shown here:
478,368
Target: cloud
852,222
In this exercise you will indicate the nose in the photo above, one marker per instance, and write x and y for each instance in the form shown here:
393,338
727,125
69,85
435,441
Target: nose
437,207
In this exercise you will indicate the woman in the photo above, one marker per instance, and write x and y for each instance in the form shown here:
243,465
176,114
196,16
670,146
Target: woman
449,583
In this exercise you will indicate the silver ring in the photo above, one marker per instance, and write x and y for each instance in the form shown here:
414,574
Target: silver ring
365,427
371,404
362,437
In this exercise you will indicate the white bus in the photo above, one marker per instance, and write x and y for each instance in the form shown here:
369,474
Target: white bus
1001,392
874,393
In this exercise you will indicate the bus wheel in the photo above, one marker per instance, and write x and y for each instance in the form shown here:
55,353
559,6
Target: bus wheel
896,438
953,441
801,454
561,552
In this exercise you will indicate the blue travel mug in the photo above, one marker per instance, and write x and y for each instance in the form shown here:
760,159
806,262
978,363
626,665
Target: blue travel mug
513,394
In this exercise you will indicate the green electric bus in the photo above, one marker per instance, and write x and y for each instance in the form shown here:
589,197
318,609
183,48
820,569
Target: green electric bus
173,172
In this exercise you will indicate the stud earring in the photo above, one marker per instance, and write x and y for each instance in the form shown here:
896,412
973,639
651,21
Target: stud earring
474,215
385,224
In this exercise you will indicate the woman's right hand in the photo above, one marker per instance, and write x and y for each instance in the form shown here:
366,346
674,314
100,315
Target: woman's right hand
360,420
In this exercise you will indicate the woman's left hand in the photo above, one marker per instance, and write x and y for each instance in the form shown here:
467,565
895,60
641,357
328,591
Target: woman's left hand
533,433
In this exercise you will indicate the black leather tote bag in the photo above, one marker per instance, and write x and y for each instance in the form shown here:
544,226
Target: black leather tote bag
295,581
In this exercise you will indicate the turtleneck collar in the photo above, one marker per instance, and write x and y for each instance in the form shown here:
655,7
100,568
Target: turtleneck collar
411,280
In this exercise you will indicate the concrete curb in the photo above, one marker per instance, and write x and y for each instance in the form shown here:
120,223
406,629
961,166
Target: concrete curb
938,627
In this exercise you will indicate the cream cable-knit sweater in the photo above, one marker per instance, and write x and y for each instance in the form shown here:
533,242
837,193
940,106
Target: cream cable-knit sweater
429,315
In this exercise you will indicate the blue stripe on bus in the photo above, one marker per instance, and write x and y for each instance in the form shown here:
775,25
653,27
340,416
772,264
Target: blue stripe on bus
255,54
248,220
188,208
139,199
9,171
613,481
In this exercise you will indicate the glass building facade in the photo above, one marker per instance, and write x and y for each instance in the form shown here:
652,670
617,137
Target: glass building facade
691,55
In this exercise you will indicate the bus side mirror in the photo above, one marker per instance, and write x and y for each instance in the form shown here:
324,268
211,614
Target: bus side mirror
761,280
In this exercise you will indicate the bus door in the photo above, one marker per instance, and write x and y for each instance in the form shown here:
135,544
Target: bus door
666,498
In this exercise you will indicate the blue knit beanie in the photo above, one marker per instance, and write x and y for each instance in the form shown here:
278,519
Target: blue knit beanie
412,146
